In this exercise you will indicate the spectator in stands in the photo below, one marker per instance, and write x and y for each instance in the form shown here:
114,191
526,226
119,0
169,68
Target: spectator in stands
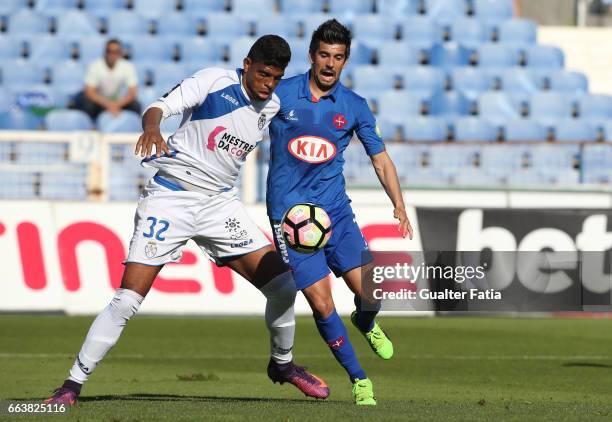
110,84
517,8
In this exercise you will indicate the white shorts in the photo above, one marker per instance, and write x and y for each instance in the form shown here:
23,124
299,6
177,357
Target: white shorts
165,220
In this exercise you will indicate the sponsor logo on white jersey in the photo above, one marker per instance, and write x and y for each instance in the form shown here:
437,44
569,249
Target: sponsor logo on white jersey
312,149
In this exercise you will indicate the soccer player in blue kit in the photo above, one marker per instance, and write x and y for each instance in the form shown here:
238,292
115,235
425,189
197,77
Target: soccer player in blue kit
316,122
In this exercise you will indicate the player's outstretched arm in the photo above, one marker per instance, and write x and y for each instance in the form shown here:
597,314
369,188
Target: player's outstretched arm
387,174
151,135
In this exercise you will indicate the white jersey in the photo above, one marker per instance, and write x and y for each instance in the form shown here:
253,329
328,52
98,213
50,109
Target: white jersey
220,126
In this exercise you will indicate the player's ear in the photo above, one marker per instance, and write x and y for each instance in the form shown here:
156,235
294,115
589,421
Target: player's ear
246,64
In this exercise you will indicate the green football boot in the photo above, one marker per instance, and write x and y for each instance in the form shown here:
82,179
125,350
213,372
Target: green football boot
377,339
363,392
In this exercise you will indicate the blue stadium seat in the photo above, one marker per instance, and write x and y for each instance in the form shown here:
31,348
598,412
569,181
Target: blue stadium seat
199,49
398,7
497,55
239,48
68,73
493,9
475,177
374,28
76,23
17,184
122,23
91,48
311,22
398,54
420,31
595,107
150,48
522,80
570,82
361,53
574,130
16,119
35,98
524,130
469,32
148,95
48,49
27,21
391,130
41,152
446,10
607,130
171,124
8,7
449,55
449,157
340,7
544,57
67,120
55,6
554,156
299,53
518,31
500,106
10,48
127,121
103,8
396,105
450,103
202,7
301,7
473,129
285,26
550,106
154,8
176,25
253,7
470,81
169,74
20,72
420,128
374,77
225,25
423,78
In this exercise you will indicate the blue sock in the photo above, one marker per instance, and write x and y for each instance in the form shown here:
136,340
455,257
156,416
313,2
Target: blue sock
334,333
365,319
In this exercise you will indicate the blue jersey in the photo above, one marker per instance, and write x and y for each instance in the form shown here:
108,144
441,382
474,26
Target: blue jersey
307,141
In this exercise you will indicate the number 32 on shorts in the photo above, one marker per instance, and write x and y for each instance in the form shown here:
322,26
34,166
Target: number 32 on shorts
157,228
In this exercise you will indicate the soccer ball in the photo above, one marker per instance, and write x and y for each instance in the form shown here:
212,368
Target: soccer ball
306,228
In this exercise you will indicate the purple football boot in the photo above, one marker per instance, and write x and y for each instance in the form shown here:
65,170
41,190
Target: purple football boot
66,394
307,383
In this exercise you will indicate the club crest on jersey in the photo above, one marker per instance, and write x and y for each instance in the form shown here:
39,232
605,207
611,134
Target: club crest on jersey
339,121
150,249
261,122
312,149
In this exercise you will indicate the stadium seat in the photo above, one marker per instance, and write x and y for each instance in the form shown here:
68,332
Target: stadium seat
524,130
103,8
574,130
17,184
67,120
398,54
420,31
148,95
518,31
500,106
91,48
10,48
470,81
124,23
253,7
75,23
8,7
449,157
374,28
450,55
550,106
398,7
607,130
284,26
154,8
542,56
176,25
199,49
27,21
445,10
475,177
225,25
374,77
570,82
468,32
202,7
595,107
20,72
361,53
450,103
391,130
522,80
497,55
473,129
36,98
150,48
493,9
169,74
238,50
55,6
340,7
423,78
68,73
396,105
310,22
16,119
301,7
420,128
171,124
127,121
554,157
47,49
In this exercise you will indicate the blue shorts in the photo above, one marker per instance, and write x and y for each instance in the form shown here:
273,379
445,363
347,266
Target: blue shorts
345,250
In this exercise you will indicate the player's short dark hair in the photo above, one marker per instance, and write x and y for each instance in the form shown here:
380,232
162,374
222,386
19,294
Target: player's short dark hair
331,32
113,41
270,50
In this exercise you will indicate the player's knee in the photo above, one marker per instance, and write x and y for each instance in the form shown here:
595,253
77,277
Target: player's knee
125,304
281,288
322,308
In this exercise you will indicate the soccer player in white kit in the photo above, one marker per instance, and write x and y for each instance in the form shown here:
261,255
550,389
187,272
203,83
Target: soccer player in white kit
193,196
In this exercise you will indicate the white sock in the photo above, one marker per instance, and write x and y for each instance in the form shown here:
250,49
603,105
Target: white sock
280,317
104,333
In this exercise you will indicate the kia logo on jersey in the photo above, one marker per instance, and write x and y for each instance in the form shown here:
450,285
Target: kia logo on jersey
312,149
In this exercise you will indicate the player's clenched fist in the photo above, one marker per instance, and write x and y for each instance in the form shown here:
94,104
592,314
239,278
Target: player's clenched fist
145,143
405,228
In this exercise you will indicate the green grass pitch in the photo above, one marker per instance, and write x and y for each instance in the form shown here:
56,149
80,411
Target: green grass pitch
214,369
